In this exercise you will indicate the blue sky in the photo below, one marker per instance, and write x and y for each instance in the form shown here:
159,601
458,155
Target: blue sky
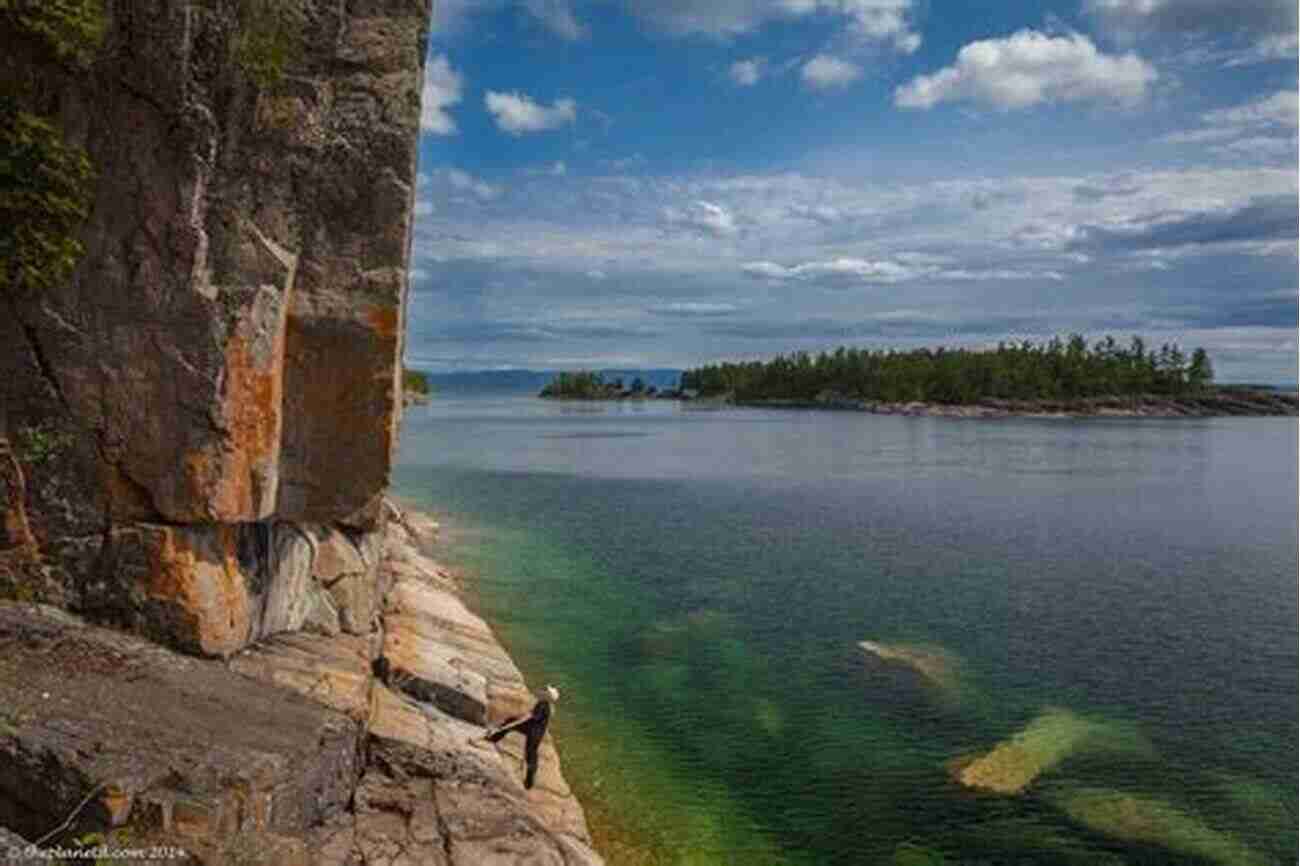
649,183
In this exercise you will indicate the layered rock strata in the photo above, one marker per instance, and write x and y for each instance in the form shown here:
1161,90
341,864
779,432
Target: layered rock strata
294,751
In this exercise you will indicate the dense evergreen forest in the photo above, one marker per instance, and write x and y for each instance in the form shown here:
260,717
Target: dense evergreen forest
587,385
1056,370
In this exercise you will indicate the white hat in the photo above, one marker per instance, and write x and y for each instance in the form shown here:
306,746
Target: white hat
552,692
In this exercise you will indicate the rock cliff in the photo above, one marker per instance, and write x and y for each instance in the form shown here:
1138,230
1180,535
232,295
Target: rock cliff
216,388
196,434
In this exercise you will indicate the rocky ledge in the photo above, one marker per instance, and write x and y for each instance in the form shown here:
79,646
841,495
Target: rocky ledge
305,748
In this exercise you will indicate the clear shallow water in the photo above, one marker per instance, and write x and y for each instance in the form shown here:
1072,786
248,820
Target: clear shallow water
697,582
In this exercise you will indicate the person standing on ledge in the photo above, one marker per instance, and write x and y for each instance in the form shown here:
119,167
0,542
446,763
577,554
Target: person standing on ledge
532,726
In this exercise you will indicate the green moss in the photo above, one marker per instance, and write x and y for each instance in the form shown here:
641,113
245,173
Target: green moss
39,444
269,39
45,187
72,30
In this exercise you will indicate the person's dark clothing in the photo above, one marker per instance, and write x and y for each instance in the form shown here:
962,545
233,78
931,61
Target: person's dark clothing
533,727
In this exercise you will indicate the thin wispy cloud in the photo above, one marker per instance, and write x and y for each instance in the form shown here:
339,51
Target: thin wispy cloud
702,216
887,22
1262,130
693,309
558,17
1131,19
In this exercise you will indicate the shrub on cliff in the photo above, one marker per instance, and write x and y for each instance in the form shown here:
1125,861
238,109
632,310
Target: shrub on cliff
45,182
416,382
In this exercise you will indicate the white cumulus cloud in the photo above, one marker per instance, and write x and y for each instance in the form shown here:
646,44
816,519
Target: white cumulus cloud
885,20
517,114
746,73
825,71
442,89
1028,68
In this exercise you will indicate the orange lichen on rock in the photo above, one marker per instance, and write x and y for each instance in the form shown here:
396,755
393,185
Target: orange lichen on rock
195,577
384,321
14,529
246,490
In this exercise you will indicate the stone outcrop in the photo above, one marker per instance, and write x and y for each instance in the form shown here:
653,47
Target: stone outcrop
217,388
305,748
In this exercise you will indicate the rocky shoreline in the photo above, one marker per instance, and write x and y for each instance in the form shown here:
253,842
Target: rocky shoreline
305,748
1222,403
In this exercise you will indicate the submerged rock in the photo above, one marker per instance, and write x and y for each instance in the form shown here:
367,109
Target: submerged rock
935,665
1013,764
1146,820
1053,736
911,854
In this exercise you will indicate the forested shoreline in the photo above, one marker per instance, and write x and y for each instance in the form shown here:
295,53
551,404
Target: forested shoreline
1057,377
1068,369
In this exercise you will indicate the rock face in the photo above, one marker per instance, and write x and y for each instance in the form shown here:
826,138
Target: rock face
218,384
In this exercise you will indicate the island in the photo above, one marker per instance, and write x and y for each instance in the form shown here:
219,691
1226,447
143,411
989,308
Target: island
588,385
1062,377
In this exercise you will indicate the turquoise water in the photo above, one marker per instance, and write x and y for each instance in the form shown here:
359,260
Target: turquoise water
697,582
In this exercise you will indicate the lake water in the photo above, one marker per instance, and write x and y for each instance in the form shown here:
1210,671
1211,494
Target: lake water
697,582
